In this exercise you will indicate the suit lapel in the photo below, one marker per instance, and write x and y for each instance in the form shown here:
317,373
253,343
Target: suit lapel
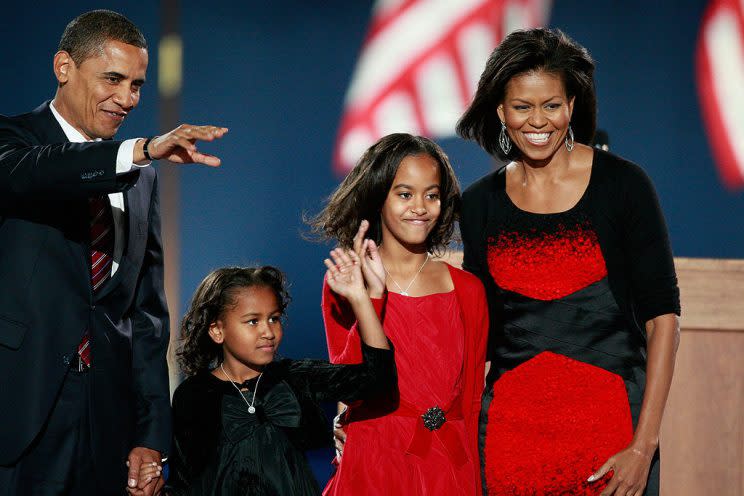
46,126
136,204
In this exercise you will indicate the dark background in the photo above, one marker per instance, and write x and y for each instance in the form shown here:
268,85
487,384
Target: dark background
276,73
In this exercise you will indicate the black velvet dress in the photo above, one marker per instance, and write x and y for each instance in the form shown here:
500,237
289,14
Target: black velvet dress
222,449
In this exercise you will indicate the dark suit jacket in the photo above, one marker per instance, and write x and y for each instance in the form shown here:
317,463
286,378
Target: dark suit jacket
46,300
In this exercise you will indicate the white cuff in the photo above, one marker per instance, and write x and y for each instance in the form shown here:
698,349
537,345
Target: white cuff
125,157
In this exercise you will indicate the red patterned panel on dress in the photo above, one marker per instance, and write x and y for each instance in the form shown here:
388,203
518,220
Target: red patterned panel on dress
546,265
553,422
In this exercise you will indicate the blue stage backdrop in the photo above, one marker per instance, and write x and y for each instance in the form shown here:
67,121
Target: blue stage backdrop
276,73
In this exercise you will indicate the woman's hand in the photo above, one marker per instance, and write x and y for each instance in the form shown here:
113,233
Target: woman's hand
372,268
631,467
344,274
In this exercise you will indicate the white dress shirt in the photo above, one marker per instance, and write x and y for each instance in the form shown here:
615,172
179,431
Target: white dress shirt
124,163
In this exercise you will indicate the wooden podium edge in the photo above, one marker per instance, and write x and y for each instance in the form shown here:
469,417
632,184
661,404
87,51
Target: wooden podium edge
712,294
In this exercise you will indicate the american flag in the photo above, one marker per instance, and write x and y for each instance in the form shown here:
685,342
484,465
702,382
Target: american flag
420,64
720,78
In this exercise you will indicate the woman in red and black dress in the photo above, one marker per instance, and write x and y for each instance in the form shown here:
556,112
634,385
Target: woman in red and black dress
572,247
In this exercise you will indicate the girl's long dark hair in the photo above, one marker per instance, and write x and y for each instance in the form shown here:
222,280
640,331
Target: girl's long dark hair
362,193
215,294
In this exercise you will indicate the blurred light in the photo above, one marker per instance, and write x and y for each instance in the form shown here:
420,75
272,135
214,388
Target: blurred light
170,58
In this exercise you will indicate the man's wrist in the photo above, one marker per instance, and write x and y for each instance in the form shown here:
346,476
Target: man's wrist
130,156
145,150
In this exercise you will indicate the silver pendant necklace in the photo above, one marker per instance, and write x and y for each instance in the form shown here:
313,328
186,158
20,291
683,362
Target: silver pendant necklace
251,408
404,292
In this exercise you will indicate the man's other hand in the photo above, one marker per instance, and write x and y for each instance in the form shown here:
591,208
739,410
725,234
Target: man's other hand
136,485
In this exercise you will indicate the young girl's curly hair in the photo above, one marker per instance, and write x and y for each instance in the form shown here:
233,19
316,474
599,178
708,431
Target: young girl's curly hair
363,192
215,295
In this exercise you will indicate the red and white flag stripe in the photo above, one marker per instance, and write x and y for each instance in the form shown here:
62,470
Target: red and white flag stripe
720,78
420,65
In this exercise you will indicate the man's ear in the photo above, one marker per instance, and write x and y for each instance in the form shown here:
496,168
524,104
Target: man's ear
215,332
63,66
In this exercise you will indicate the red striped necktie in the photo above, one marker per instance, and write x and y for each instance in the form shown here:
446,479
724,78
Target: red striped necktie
101,255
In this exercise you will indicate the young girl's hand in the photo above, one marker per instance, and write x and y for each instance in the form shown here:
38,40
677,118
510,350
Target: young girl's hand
148,473
372,268
344,274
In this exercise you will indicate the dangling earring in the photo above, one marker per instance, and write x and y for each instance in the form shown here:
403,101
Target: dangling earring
569,141
504,141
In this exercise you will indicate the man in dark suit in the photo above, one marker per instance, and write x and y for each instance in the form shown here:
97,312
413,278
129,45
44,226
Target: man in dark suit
83,319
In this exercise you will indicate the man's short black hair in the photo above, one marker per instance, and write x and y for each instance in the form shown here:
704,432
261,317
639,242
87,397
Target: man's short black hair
86,35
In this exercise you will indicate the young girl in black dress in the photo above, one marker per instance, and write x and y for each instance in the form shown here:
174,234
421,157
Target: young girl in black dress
243,420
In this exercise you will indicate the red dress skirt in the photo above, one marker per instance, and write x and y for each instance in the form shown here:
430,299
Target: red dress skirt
387,450
553,422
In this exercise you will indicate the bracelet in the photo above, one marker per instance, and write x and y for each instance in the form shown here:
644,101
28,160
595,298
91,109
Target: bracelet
641,453
144,149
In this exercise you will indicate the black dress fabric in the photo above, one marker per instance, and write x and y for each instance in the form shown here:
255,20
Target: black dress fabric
586,326
222,449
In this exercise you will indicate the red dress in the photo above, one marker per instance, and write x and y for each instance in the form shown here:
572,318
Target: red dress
565,370
439,343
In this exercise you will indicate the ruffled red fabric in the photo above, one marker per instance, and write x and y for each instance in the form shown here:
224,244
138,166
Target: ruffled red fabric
554,421
546,265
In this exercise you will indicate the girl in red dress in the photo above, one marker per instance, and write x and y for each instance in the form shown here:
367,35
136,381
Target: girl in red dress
403,196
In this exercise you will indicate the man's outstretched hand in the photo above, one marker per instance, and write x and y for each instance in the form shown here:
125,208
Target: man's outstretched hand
179,145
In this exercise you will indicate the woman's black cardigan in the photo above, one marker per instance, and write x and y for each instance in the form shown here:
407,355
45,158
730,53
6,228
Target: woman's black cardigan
626,216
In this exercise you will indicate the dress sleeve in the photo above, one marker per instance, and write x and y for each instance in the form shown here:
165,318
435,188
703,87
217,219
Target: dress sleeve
375,375
478,330
342,336
653,280
472,225
473,232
